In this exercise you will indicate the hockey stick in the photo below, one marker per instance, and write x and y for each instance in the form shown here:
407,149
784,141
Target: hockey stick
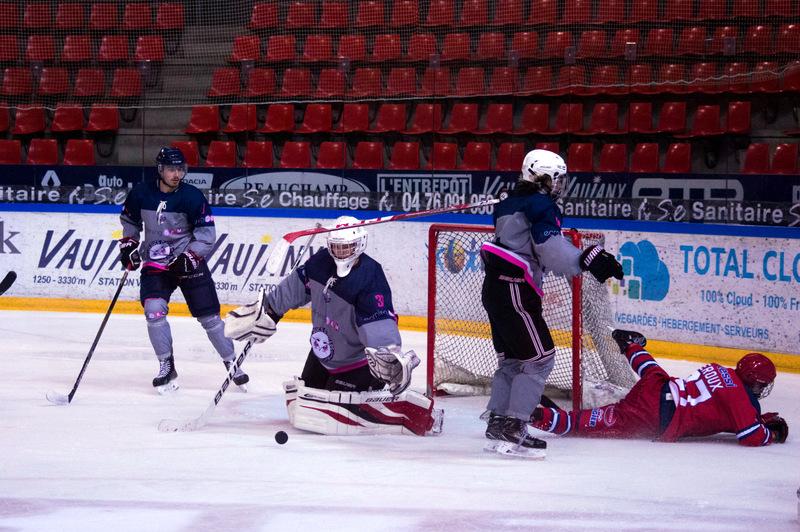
7,281
281,247
188,425
59,399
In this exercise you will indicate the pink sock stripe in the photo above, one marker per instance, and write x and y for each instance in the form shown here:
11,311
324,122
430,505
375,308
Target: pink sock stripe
516,260
155,265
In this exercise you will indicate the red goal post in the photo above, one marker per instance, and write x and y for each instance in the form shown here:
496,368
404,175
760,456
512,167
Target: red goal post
461,358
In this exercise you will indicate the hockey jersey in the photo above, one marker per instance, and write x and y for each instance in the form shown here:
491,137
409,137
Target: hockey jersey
172,222
713,399
347,313
528,237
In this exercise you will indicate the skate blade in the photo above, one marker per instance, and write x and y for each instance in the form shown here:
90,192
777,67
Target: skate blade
57,398
504,448
167,389
242,387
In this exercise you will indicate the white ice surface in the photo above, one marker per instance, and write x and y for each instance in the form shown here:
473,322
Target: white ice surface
100,463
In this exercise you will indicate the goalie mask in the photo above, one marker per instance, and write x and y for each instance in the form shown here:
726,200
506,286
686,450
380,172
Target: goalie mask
545,169
346,245
757,373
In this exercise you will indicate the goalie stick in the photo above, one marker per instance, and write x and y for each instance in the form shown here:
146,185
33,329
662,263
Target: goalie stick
7,281
59,399
281,247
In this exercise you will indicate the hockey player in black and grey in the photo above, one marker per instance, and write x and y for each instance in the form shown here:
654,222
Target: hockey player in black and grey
178,235
355,343
527,244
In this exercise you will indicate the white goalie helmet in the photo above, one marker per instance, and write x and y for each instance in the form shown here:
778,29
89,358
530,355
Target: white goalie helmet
546,169
346,245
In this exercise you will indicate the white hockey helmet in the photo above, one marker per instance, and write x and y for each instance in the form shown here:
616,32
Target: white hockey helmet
546,169
346,245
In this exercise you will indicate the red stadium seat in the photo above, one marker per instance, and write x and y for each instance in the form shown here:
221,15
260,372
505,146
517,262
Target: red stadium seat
704,79
738,121
785,159
788,39
678,159
67,118
89,83
620,40
54,81
643,11
673,78
405,156
456,47
334,15
390,117
470,81
543,12
10,152
756,159
300,15
126,83
368,156
296,82
658,42
43,151
443,156
503,81
606,80
170,16
37,16
404,13
331,83
571,80
426,119
746,9
435,82
264,16
577,11
603,120
401,82
580,157
537,80
5,119
366,82
677,10
421,46
280,117
317,48
766,77
779,8
242,118
525,44
332,155
555,44
189,150
113,48
491,46
509,156
77,49
149,48
318,118
737,78
711,10
103,16
137,17
706,122
672,118
246,48
592,44
613,158
369,14
79,152
40,49
281,48
355,118
9,15
258,154
569,118
386,47
692,41
352,47
507,13
29,120
260,82
640,117
611,11
474,13
477,156
463,118
17,81
221,154
440,13
295,155
103,117
535,118
499,119
723,34
225,82
9,48
549,146
758,40
644,159
204,119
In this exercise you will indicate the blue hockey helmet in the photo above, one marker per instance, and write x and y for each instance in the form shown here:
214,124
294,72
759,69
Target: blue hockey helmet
171,156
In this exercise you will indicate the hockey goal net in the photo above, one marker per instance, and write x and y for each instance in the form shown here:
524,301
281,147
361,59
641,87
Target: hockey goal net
461,359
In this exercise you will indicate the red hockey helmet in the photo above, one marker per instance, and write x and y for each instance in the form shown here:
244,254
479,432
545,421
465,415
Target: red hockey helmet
757,373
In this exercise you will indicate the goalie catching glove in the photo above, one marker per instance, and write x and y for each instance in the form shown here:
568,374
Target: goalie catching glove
600,263
776,425
250,322
392,366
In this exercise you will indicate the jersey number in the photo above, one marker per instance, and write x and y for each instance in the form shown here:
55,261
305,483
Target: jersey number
704,394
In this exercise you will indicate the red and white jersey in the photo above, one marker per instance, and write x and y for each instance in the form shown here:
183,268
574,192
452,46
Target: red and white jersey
713,399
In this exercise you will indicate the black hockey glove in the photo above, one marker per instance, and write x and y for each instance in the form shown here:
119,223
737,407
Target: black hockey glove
600,263
185,263
777,425
625,338
129,253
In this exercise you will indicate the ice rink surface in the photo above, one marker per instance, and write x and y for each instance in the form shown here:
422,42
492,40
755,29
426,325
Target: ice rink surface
100,464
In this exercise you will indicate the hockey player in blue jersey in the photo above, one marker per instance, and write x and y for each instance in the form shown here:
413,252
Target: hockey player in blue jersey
355,376
527,244
178,235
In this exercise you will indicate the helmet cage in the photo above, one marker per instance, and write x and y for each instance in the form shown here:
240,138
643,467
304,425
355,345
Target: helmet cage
346,245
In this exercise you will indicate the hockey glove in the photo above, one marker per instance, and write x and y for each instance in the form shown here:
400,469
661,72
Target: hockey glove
250,322
600,263
129,255
626,338
776,425
392,366
185,263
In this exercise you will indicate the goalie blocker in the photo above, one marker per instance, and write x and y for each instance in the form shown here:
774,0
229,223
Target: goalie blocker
358,413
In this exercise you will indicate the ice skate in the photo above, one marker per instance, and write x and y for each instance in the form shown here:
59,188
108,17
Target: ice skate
509,437
240,378
438,420
165,382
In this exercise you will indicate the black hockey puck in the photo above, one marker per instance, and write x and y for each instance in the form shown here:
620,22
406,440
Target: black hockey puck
281,437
